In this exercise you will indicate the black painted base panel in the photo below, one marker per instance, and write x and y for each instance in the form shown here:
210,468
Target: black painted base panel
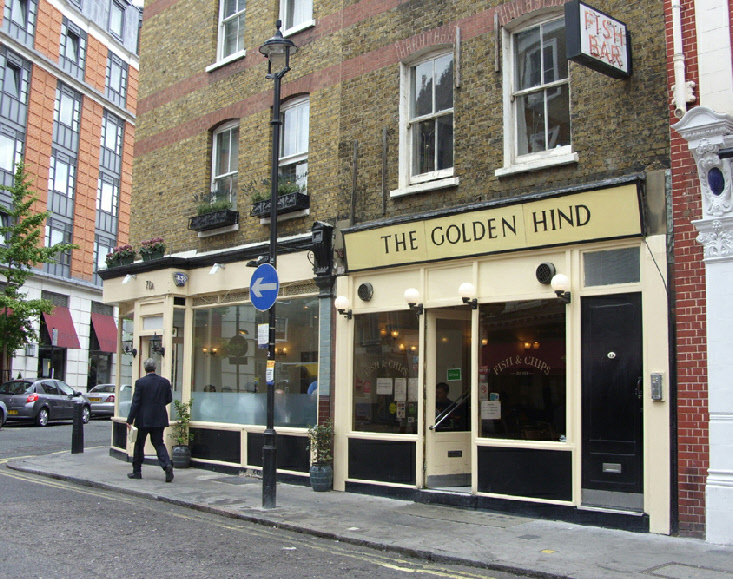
634,522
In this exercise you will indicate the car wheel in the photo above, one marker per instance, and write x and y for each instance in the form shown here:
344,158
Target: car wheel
86,414
42,417
2,419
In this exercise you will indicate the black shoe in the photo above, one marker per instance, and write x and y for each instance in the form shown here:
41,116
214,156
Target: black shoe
168,474
136,475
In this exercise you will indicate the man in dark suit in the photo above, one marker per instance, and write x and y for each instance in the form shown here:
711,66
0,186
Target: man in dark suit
152,394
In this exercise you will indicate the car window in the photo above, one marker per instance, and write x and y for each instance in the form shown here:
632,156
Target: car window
49,388
65,388
16,387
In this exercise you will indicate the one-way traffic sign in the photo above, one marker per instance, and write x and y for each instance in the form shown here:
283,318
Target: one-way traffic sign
263,287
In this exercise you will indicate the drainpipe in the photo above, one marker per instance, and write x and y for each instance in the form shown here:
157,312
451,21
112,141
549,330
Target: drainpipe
679,95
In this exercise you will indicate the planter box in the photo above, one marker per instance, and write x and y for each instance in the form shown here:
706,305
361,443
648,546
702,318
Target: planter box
213,220
155,255
285,204
121,261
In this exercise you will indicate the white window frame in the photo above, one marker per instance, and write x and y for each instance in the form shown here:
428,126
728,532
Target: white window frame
514,163
115,8
226,127
299,156
290,26
221,58
408,183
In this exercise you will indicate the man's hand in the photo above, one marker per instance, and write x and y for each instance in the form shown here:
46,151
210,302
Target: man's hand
129,426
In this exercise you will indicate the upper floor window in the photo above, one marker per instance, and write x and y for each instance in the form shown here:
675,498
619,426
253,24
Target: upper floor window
108,194
294,145
20,19
536,98
116,79
296,15
116,19
15,77
73,49
11,152
225,159
67,118
426,127
113,129
61,175
231,28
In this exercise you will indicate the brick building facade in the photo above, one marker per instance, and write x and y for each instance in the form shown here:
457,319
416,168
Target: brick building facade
446,145
69,94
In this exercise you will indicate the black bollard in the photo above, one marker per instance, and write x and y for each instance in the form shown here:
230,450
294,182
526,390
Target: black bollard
77,431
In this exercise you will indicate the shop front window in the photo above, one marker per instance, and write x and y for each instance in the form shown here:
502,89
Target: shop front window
230,359
522,370
386,363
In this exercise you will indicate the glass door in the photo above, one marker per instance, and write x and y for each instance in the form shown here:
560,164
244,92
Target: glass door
448,400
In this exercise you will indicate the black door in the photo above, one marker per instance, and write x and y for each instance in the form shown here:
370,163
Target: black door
612,401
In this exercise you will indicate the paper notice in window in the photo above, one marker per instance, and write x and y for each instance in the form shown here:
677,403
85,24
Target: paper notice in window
490,410
412,389
384,386
400,389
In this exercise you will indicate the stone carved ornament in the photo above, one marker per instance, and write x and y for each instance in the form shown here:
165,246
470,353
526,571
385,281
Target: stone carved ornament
719,241
716,202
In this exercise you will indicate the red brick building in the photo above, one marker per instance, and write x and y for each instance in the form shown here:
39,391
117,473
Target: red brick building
67,110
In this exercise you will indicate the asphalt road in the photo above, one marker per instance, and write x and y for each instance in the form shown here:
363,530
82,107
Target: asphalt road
56,530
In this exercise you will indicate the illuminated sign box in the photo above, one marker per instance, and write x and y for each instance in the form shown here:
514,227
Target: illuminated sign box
597,41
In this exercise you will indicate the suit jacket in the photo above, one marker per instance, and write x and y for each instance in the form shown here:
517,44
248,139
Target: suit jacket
152,394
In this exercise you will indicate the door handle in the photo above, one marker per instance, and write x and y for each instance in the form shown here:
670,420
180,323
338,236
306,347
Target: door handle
638,388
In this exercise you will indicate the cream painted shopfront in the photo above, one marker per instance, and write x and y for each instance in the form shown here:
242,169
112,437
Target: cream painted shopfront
557,399
193,314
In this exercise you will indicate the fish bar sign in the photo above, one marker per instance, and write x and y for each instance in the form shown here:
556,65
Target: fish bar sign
597,41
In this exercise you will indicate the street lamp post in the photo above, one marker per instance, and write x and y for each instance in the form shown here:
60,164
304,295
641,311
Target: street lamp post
277,50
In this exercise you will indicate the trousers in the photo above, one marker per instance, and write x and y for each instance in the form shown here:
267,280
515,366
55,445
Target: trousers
156,438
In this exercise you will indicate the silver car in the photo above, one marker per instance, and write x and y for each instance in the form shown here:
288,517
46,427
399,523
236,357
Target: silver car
4,412
101,398
43,400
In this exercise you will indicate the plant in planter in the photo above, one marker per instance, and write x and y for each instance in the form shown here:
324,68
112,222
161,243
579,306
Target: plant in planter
320,444
121,255
211,202
153,248
182,435
213,210
291,196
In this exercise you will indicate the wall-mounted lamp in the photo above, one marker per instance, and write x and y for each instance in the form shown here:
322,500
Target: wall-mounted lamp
343,306
467,291
156,345
210,351
531,345
215,268
129,277
128,349
281,351
561,285
257,262
412,297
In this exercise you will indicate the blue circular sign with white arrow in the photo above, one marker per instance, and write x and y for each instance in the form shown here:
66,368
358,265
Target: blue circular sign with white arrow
263,287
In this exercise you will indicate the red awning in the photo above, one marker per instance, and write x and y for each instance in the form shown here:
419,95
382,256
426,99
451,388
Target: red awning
106,330
60,320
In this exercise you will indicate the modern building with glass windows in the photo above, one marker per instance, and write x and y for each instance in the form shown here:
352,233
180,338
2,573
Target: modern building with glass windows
68,76
472,248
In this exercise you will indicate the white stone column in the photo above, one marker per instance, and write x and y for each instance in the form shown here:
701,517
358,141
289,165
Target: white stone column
707,133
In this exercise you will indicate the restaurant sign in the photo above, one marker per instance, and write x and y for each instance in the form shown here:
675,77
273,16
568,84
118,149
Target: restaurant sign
592,215
597,41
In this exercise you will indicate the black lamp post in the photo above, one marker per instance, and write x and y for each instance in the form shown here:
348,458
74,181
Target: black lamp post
277,50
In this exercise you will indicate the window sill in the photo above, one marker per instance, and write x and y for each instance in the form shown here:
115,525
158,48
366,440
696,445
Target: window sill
224,61
427,186
219,231
538,163
286,216
299,28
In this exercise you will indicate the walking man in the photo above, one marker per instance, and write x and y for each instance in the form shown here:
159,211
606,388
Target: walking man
152,394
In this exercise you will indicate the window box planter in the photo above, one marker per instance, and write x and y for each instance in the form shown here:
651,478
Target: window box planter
213,220
285,204
154,255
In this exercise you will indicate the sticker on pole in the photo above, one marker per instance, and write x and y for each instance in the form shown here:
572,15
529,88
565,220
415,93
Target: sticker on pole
270,373
263,287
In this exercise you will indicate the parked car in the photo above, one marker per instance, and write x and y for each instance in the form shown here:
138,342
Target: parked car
101,398
4,412
42,400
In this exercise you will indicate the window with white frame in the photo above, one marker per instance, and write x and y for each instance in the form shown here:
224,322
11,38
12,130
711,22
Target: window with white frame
231,28
225,160
116,83
426,124
293,172
296,15
537,97
61,175
108,194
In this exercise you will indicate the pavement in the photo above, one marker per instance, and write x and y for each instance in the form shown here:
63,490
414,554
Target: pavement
490,540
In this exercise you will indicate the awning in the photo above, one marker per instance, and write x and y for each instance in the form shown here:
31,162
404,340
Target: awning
60,320
106,330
